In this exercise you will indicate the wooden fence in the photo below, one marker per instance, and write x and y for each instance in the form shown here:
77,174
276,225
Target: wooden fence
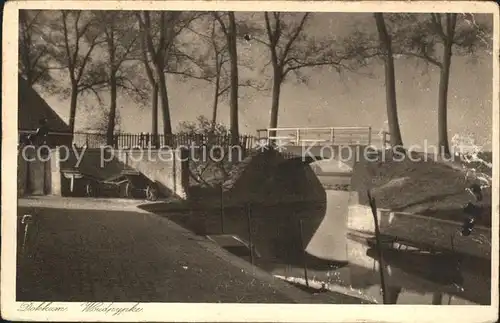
294,136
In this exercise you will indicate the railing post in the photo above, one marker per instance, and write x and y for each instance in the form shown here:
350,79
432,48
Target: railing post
369,135
384,139
332,135
297,135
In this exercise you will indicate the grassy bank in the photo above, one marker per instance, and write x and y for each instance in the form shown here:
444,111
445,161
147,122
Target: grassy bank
427,187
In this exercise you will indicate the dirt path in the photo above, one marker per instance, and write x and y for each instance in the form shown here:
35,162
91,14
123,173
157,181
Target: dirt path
110,255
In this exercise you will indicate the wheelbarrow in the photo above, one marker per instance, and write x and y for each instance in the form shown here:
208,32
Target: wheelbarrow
84,184
128,184
137,185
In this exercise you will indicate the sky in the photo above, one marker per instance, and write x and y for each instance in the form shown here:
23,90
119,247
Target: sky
330,99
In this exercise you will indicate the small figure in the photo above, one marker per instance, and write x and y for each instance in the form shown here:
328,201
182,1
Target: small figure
41,134
24,140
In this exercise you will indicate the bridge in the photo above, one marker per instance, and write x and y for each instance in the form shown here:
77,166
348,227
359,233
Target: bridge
324,143
324,136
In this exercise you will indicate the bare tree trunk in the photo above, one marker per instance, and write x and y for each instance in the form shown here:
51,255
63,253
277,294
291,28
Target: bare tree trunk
110,131
110,39
72,107
233,54
275,103
216,100
390,81
154,116
155,141
443,103
165,108
443,87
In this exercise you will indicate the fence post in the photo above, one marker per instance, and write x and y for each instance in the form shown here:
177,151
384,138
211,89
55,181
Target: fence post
250,240
304,259
383,286
384,139
332,135
222,208
297,135
369,135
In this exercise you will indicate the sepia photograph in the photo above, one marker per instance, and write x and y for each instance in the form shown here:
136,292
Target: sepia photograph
239,153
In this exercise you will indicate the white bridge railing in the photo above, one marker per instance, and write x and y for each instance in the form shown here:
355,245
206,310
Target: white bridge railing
324,136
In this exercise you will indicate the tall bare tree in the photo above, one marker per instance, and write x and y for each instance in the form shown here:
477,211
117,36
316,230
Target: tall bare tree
73,38
220,55
447,35
293,48
233,61
385,40
220,76
144,58
210,61
227,22
120,38
159,32
283,61
34,53
420,36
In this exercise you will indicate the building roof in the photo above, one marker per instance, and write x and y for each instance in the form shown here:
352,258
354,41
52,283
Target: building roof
32,108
